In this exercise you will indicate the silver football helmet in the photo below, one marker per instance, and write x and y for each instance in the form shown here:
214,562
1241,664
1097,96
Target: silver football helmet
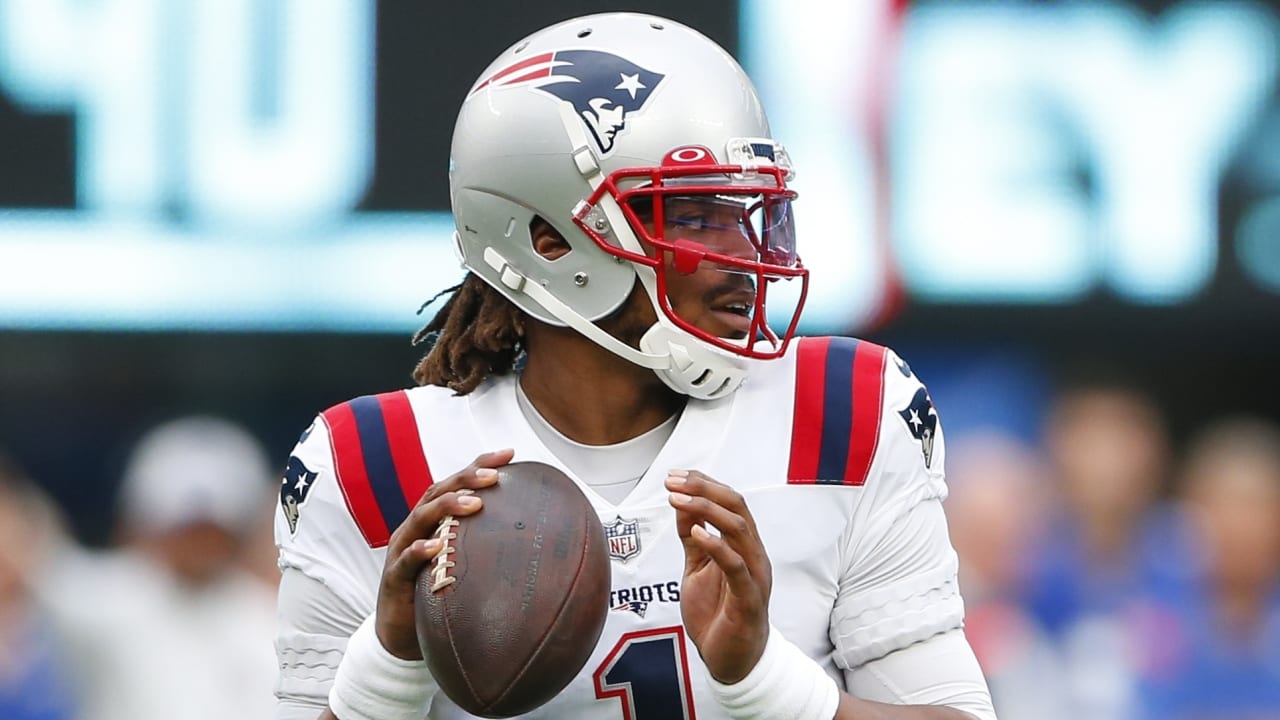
644,144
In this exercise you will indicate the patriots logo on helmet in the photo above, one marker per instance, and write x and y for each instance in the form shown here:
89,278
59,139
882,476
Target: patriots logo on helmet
294,489
922,421
603,88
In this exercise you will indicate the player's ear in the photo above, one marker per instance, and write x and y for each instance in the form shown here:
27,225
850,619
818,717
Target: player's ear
547,241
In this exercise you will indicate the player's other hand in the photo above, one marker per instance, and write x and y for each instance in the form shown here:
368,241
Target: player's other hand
412,546
724,597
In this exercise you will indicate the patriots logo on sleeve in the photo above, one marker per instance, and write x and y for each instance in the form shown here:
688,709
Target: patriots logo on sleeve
294,489
603,88
922,422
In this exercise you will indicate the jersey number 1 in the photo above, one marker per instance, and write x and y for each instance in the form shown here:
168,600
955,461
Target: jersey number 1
648,671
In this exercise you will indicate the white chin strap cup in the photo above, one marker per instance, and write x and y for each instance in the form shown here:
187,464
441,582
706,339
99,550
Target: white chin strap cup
682,362
696,370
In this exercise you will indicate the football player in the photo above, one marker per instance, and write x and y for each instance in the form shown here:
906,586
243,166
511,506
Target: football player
772,505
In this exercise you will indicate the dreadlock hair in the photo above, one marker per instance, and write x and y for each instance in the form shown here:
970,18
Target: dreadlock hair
477,333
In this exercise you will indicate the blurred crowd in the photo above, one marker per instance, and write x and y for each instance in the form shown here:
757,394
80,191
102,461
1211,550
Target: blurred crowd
1108,572
1109,575
176,619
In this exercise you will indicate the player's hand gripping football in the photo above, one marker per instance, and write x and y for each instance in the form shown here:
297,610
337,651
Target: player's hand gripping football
724,598
411,546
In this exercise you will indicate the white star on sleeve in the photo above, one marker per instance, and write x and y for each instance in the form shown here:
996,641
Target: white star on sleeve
915,420
301,484
630,83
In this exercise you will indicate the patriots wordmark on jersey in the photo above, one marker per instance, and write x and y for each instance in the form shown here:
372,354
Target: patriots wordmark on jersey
825,444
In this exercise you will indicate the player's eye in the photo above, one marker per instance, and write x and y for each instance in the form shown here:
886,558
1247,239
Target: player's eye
706,223
689,222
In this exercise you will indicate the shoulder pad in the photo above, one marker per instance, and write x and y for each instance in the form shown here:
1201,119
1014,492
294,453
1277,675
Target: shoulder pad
378,460
839,396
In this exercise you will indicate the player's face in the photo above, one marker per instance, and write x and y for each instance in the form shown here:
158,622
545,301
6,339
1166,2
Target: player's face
715,299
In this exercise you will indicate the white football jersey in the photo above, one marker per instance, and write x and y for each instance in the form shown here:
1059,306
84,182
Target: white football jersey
833,447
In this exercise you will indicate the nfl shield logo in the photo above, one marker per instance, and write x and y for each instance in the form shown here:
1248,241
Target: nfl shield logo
624,539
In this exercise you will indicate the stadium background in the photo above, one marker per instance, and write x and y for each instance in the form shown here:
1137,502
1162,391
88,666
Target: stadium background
1117,221
78,383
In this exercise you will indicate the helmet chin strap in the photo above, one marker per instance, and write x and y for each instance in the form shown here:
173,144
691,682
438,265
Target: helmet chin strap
696,369
681,361
519,283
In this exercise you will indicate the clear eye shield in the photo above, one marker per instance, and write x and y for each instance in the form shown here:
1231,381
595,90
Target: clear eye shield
692,214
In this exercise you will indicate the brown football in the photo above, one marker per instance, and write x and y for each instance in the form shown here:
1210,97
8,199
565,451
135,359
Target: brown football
510,611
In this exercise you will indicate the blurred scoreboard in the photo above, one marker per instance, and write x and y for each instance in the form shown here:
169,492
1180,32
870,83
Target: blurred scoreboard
280,165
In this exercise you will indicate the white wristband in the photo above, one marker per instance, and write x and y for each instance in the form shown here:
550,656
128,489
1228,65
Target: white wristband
373,684
785,683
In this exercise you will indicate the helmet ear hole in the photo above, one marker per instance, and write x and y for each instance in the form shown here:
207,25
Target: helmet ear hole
547,241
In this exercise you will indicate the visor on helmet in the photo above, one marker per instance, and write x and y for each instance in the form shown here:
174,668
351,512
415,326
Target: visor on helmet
694,215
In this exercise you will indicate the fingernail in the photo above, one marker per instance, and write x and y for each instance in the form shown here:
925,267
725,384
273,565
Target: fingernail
469,501
700,532
680,498
678,473
503,450
486,473
675,479
429,545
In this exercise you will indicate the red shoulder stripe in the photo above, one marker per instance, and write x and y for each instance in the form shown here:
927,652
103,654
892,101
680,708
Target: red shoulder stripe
838,402
806,435
868,404
379,461
348,465
406,446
